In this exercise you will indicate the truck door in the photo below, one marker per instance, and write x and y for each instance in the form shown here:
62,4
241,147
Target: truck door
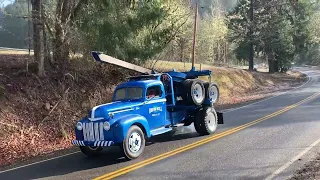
155,107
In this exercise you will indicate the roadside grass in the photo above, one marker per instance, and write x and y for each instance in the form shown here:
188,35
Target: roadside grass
162,65
13,52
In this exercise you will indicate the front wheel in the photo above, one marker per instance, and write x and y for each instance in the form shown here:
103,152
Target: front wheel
134,144
206,121
91,151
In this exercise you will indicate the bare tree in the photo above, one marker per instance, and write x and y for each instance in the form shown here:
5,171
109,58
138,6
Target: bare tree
65,13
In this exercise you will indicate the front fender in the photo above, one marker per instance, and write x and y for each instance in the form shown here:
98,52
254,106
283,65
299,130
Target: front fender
122,125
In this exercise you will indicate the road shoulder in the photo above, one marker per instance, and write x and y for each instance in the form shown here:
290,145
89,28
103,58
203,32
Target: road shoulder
310,170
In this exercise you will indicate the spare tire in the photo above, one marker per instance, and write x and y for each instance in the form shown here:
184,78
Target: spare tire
212,91
194,91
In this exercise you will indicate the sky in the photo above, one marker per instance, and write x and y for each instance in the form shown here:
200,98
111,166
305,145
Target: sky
5,2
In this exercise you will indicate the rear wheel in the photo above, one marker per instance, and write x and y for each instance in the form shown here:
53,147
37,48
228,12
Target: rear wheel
134,144
206,121
91,151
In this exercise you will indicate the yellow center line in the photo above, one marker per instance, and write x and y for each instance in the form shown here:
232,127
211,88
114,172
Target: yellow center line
146,162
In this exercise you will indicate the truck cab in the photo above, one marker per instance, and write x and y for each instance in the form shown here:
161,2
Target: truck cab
151,97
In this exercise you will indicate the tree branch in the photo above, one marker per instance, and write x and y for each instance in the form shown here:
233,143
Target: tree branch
45,18
77,8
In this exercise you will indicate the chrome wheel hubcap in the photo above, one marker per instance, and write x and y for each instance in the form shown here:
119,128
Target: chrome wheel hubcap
213,93
198,93
211,120
134,142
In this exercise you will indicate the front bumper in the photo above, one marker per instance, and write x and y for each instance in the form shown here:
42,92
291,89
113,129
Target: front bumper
92,143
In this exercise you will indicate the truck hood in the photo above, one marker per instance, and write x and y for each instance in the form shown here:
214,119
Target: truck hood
102,111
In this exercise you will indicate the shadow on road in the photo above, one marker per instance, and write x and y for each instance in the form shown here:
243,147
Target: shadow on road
79,162
178,135
65,165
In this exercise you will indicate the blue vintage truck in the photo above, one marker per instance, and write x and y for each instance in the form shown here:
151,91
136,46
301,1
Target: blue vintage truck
148,105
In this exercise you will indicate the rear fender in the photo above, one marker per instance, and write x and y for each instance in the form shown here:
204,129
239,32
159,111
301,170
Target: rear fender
122,125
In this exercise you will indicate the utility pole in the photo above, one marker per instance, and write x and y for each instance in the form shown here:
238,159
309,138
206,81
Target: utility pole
251,51
195,35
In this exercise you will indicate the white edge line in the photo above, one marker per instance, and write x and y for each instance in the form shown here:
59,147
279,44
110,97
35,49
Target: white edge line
285,166
39,162
233,109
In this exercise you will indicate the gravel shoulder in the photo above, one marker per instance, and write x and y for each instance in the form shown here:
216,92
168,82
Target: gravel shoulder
311,170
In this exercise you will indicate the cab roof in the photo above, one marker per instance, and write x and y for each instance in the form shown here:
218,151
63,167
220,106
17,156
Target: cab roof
139,83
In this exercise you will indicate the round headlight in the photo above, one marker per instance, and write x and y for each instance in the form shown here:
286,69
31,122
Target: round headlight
106,126
79,126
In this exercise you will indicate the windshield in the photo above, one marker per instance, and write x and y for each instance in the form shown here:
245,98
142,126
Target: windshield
128,93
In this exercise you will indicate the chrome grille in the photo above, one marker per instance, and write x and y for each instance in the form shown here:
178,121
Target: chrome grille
93,131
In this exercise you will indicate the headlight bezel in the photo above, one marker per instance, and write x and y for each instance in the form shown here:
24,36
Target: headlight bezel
106,126
79,126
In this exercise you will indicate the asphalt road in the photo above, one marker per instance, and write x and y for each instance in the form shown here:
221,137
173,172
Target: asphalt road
254,143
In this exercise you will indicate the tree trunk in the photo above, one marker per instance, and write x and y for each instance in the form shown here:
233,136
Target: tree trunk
66,11
213,53
225,53
218,50
140,3
276,65
182,45
271,64
47,55
60,42
61,50
38,35
251,49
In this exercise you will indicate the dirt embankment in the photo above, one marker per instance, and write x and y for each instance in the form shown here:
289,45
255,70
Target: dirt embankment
37,115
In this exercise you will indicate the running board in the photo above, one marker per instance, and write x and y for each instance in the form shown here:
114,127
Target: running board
174,126
160,131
